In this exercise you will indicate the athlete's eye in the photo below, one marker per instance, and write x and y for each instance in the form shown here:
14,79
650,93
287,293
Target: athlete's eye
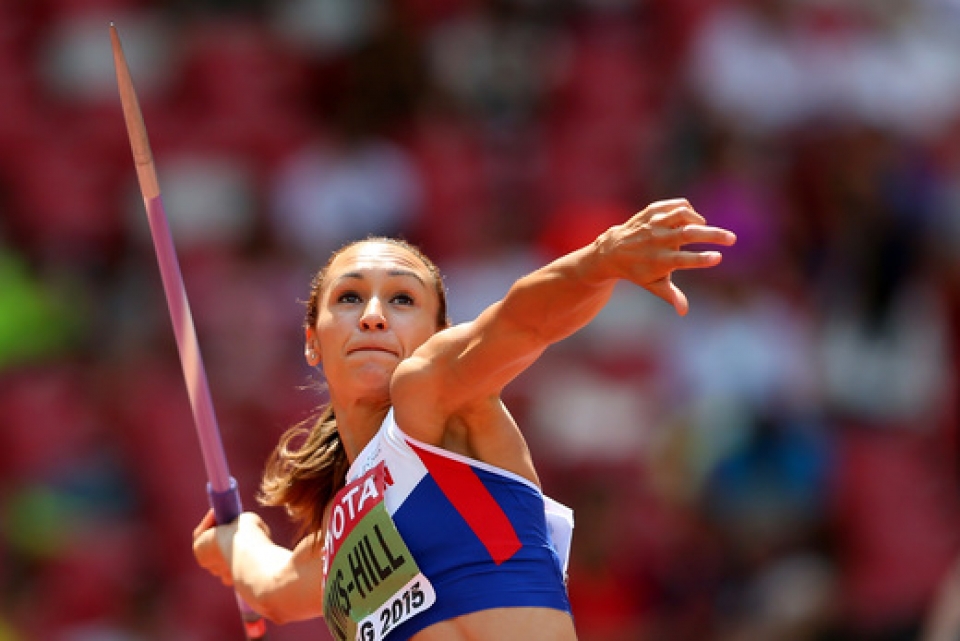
349,297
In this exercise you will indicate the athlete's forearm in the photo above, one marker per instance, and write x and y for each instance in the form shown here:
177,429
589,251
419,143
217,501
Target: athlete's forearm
477,359
281,584
557,300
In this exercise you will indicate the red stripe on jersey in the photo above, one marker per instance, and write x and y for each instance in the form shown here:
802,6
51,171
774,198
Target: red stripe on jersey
473,501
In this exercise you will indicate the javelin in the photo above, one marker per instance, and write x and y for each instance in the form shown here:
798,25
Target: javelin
221,487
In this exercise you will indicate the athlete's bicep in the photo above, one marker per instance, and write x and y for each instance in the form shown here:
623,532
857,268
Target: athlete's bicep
490,353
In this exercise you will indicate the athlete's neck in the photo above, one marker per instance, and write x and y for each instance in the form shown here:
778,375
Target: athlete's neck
358,423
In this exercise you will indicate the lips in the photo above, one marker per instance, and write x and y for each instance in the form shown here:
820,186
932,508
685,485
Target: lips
371,349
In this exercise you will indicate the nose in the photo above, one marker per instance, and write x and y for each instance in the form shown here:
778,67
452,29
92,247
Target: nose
373,317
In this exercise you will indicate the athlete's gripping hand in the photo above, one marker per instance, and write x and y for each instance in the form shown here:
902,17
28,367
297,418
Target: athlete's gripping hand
213,544
648,248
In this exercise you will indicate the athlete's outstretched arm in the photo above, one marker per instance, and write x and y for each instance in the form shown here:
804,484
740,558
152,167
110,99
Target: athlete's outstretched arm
281,584
477,359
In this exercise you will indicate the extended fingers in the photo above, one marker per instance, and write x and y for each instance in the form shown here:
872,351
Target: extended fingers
677,236
669,213
651,242
668,291
663,219
670,205
688,234
692,260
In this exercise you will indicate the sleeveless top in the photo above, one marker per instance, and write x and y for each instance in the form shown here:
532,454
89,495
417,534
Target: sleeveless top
481,537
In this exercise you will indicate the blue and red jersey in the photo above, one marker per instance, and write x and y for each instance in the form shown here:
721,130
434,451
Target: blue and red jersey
484,537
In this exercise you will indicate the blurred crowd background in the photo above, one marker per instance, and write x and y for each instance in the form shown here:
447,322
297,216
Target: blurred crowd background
779,465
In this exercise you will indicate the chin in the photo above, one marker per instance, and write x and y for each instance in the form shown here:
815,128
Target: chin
374,378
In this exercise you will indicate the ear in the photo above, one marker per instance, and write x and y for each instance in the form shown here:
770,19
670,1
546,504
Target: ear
311,347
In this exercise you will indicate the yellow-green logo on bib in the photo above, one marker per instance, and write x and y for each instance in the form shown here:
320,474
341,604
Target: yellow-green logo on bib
371,581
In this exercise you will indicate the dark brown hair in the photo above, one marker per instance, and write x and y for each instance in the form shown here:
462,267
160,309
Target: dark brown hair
309,464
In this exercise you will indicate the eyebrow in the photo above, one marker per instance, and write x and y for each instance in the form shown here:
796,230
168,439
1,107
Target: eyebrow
392,272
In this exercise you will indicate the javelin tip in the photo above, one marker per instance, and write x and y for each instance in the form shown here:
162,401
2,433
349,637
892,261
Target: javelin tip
136,130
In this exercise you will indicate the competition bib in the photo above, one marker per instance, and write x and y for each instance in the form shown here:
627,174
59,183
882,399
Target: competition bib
371,582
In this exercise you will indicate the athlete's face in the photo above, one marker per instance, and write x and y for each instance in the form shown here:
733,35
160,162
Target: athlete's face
378,303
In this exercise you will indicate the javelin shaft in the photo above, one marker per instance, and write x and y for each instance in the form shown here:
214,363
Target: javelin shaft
222,488
218,473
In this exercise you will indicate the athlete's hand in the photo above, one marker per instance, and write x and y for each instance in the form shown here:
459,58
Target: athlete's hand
213,544
647,249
